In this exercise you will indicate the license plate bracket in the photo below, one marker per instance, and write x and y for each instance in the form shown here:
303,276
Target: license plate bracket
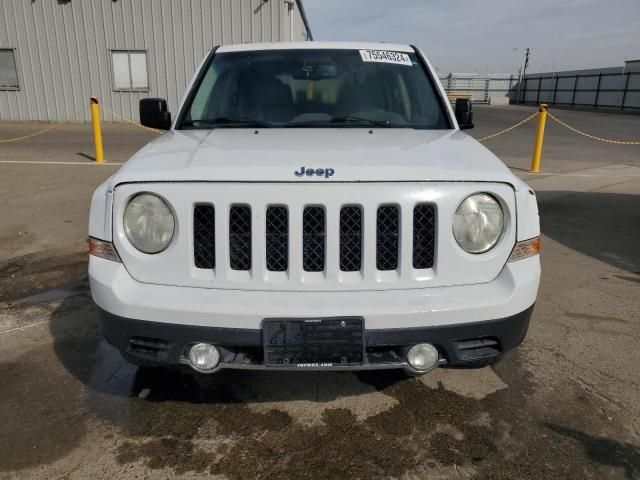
313,342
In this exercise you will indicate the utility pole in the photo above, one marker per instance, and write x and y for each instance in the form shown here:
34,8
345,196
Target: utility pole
522,73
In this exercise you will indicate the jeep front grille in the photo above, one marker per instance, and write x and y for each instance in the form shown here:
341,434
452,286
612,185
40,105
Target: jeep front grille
350,246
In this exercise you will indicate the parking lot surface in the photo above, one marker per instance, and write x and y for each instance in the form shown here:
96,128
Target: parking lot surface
564,405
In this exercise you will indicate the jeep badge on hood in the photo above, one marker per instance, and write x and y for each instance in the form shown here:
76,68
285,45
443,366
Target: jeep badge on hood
318,172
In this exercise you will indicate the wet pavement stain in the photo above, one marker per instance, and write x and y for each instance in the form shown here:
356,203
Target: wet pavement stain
427,428
43,409
38,272
42,414
206,425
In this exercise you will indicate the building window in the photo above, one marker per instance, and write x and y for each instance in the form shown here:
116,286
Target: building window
129,70
8,70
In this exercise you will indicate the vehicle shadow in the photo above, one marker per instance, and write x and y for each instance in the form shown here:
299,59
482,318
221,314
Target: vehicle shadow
80,347
86,156
605,226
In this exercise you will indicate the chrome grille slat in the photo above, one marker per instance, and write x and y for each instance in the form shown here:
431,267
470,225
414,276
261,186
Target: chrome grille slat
277,239
240,237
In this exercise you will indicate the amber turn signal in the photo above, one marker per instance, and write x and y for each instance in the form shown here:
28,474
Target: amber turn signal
102,249
525,249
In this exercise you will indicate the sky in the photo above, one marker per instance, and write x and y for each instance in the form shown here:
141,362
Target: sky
490,35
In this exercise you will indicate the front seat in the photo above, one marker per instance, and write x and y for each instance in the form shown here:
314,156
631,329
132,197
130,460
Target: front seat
267,99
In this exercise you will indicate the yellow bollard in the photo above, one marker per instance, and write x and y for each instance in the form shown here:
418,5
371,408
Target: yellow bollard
537,148
97,131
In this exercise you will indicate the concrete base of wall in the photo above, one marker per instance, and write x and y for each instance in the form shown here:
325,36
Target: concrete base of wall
499,101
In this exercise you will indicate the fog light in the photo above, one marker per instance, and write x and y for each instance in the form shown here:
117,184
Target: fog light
423,357
204,357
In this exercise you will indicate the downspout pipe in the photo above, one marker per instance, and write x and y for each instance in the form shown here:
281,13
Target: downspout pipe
305,20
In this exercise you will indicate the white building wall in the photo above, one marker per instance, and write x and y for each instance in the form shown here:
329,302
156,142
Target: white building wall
63,48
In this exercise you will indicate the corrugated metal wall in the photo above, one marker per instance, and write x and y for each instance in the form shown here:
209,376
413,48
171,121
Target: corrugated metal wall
63,48
612,87
481,87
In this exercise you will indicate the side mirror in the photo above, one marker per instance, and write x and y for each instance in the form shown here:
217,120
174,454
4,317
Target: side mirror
154,114
464,113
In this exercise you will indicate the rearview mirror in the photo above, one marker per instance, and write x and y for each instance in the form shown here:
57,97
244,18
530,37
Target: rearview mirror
314,71
154,114
464,113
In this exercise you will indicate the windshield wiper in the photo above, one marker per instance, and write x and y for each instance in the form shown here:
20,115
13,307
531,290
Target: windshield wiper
343,120
218,121
356,119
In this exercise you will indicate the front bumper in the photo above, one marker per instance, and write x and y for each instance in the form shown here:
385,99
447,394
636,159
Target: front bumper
459,345
466,323
512,291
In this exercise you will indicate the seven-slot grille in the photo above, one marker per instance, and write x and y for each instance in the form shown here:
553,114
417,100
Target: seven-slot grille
314,237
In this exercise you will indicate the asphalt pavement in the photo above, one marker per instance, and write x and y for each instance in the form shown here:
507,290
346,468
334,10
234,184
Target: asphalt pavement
564,405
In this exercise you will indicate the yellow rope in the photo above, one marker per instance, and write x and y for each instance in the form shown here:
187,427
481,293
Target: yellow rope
483,139
501,132
45,130
128,120
593,137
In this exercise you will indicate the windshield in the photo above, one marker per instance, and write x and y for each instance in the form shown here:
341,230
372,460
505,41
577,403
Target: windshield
315,88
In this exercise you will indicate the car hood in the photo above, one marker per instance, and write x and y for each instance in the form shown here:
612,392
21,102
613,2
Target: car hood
354,155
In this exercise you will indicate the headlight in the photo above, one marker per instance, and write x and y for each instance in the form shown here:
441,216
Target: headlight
478,223
148,223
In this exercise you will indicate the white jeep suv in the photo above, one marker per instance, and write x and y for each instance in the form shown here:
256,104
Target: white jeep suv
314,206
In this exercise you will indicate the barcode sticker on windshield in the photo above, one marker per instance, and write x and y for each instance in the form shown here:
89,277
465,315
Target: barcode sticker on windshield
385,56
